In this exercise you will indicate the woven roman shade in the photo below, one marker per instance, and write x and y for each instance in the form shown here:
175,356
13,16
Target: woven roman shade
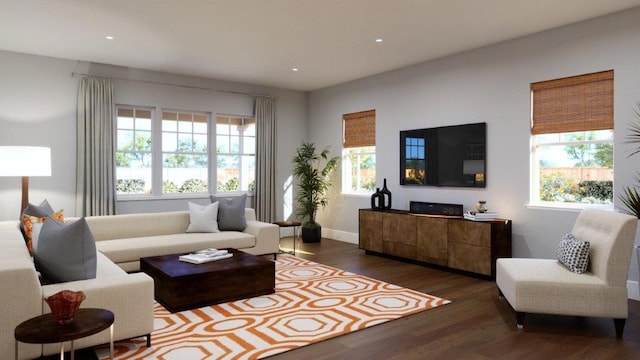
576,103
359,129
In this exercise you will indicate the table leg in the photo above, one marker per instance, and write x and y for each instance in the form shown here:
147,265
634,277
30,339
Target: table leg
111,342
73,352
295,237
62,350
16,349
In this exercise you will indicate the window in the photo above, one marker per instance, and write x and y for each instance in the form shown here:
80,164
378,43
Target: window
572,138
133,150
235,153
359,152
185,159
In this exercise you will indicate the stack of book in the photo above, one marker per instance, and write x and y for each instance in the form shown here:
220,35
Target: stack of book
478,216
205,256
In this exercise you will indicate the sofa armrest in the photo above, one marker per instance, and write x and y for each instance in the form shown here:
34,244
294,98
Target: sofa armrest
267,237
128,296
21,300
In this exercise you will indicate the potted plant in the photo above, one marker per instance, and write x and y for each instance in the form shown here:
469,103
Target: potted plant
312,171
630,197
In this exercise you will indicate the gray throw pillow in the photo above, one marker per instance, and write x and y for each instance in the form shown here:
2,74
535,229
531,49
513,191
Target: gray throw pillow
231,212
66,252
573,253
42,210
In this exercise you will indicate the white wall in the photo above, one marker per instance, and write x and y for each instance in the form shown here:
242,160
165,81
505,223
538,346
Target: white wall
490,84
39,108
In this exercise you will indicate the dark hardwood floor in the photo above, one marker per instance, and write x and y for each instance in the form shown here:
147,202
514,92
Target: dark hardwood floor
476,325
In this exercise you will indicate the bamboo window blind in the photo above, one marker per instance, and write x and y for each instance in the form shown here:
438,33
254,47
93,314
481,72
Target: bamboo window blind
576,103
359,129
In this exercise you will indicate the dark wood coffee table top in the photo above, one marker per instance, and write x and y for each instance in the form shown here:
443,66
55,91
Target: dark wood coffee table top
180,285
44,329
171,265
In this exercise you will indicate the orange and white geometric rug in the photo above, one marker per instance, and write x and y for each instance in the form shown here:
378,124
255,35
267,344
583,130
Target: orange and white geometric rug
312,302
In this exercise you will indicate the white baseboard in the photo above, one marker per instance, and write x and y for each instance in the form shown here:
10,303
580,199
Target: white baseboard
347,237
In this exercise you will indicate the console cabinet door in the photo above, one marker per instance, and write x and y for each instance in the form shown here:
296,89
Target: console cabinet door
470,246
370,230
432,240
399,235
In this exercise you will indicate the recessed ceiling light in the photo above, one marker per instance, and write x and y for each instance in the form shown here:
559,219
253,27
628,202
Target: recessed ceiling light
295,69
109,37
378,40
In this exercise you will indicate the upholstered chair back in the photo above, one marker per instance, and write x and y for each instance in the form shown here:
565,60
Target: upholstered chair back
611,236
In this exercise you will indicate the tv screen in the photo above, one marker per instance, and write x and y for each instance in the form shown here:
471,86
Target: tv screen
452,156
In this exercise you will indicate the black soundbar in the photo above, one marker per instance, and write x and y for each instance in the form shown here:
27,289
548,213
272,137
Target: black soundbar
428,208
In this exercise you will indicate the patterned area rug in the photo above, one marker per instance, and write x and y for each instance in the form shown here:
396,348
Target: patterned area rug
312,302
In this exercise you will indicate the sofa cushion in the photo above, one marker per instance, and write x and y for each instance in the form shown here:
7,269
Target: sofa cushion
66,252
128,250
231,215
32,226
203,218
573,253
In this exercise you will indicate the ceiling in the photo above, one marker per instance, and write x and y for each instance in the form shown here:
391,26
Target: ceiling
260,42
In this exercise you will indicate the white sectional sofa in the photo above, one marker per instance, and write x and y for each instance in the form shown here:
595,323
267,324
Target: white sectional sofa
121,240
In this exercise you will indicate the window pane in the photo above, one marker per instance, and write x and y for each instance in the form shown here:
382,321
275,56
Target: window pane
200,143
222,144
125,140
249,145
169,142
200,127
359,169
248,173
184,173
185,143
250,127
143,124
228,173
143,140
169,125
185,127
125,123
234,144
222,128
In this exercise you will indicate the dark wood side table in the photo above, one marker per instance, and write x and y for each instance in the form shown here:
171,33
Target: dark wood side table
294,224
44,329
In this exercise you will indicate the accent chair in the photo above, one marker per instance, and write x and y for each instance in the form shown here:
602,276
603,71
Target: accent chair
547,286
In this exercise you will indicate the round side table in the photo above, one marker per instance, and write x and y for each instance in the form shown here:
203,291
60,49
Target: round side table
44,329
286,224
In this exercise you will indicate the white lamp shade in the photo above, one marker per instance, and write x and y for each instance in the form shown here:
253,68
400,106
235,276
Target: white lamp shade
25,161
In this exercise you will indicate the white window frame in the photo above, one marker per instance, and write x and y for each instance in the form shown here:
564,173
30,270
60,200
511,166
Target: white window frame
347,178
242,138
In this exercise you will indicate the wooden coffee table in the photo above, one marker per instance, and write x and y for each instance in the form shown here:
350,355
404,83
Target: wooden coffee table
181,286
44,329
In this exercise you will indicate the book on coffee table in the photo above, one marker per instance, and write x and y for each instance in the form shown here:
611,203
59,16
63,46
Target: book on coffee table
205,256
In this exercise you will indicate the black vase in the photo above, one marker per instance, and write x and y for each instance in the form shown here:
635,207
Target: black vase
386,194
377,200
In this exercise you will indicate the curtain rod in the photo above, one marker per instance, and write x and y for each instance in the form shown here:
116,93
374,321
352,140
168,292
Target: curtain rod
75,74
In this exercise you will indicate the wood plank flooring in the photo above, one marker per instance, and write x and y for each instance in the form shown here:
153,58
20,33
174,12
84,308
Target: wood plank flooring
476,325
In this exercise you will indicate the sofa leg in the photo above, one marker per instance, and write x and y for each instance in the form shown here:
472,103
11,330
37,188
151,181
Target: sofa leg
148,340
520,320
500,294
275,256
619,324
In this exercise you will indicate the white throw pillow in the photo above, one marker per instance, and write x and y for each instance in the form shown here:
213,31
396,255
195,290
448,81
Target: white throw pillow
203,219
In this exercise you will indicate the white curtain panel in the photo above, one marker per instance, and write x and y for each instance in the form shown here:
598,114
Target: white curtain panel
265,197
95,194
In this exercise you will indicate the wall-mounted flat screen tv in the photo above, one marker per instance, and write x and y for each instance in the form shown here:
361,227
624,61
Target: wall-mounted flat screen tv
452,156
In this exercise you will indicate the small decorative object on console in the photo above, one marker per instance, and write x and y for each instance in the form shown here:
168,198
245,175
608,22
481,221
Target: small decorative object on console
64,305
481,207
381,199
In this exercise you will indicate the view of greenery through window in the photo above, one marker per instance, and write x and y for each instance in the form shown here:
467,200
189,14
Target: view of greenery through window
576,167
359,164
185,165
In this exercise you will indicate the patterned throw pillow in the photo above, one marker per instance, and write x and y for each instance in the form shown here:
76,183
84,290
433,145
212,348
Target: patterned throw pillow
573,253
32,226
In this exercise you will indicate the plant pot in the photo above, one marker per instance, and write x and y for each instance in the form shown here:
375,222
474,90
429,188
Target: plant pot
311,234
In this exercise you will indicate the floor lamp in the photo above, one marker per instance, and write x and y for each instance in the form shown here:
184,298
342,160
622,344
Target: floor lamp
25,161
